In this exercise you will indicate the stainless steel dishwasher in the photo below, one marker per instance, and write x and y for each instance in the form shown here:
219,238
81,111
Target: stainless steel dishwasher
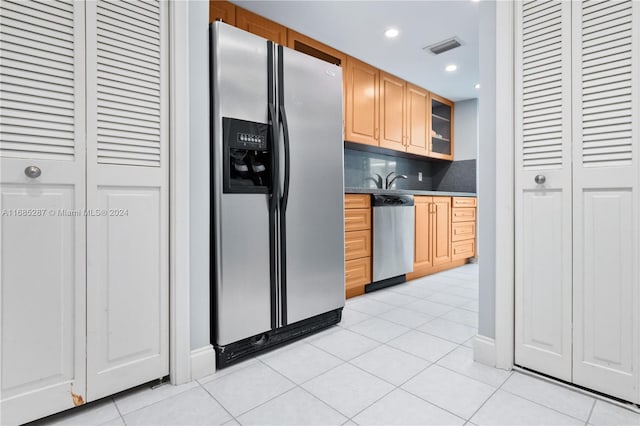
393,239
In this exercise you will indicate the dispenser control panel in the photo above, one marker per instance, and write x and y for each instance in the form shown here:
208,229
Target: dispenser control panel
241,134
248,140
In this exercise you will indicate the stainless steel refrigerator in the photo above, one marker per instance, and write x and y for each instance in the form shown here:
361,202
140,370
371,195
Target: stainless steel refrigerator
277,194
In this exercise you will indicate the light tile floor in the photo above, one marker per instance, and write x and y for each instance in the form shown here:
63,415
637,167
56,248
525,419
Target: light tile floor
400,356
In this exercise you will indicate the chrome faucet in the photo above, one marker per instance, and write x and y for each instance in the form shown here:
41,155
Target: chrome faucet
377,180
388,182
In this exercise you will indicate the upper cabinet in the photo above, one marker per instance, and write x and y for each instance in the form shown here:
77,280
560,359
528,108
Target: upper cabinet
417,120
222,10
380,109
362,84
260,26
441,128
392,112
304,44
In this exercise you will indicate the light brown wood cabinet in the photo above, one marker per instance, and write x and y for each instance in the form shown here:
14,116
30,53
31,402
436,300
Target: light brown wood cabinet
304,44
423,249
417,120
392,112
357,238
440,242
362,99
222,10
441,230
441,132
260,26
463,228
379,109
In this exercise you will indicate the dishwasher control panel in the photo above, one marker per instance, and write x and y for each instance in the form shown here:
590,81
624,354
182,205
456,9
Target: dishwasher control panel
392,200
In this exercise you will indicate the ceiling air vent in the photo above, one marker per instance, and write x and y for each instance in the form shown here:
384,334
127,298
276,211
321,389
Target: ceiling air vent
443,46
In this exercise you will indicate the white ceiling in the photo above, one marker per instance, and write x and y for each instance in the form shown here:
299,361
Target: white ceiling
357,28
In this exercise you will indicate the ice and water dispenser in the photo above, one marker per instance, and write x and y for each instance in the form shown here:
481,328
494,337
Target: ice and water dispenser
247,156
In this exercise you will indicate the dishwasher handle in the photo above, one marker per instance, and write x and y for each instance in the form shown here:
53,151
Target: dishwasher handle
393,200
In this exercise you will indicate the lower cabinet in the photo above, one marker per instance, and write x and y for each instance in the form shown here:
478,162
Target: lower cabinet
444,233
357,243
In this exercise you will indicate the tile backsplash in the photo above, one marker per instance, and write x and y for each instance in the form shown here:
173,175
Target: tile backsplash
360,168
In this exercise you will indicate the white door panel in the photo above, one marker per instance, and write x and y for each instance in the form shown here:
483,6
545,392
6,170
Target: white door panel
543,189
127,178
606,284
42,260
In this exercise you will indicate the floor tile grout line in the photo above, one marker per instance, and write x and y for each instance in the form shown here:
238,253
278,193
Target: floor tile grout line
262,403
118,410
220,403
299,386
591,411
542,405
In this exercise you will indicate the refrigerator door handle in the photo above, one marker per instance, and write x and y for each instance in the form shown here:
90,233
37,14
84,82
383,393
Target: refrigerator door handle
273,206
287,158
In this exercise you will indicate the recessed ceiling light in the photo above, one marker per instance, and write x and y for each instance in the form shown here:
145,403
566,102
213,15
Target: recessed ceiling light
477,86
391,33
451,68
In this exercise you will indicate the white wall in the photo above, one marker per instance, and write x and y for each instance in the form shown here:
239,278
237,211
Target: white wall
487,170
199,171
465,130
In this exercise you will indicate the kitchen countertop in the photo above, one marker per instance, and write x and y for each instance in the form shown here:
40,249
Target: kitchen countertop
377,191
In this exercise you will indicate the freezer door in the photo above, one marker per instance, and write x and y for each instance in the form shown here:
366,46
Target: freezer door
242,286
313,244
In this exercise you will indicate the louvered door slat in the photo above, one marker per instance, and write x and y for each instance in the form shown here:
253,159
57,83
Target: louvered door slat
132,10
37,113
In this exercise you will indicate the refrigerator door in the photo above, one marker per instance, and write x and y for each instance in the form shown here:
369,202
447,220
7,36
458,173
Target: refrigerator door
312,277
241,221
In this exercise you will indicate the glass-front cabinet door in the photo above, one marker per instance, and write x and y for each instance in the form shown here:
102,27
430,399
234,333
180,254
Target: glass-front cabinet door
441,128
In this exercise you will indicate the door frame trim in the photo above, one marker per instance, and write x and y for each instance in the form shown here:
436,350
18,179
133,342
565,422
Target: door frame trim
179,208
499,351
505,186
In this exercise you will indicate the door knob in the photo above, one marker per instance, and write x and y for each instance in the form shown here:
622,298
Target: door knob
33,172
540,179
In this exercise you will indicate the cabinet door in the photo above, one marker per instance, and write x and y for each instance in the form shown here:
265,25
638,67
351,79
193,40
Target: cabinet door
42,226
392,104
260,26
416,118
362,87
423,258
222,10
304,44
127,181
441,236
441,133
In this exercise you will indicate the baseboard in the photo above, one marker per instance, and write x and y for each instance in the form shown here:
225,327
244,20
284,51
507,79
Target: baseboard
419,273
484,350
203,362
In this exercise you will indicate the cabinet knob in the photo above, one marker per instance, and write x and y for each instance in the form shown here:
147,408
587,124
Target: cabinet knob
32,172
540,179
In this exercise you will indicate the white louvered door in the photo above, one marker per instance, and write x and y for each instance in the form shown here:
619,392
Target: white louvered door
543,210
606,220
577,242
42,305
127,176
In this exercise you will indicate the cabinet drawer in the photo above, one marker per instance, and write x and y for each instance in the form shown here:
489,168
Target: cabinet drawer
357,219
357,201
357,275
463,249
463,231
357,244
464,202
463,214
